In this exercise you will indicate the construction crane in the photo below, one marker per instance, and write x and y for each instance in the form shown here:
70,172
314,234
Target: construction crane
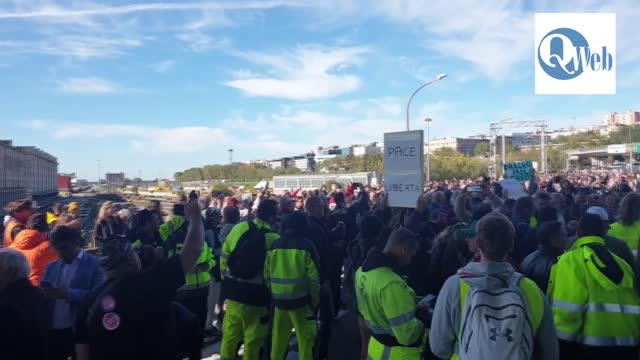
509,123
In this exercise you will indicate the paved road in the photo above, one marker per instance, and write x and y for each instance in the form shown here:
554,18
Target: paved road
344,345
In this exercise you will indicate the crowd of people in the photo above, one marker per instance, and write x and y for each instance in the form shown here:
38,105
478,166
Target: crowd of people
477,270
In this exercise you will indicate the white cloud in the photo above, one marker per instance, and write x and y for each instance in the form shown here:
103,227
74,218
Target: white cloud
304,73
200,42
208,19
38,124
52,11
88,85
163,66
185,139
73,46
494,36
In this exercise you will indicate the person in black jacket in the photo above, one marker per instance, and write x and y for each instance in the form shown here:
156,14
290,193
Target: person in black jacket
552,240
108,225
24,311
615,245
525,224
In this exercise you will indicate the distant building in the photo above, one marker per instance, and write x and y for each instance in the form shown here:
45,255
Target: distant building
259,162
305,162
26,172
115,178
323,154
276,164
465,146
527,140
370,149
623,118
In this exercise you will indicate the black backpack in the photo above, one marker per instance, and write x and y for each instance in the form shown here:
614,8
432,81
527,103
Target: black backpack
247,259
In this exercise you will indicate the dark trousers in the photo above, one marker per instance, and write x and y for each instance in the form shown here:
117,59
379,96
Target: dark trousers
196,301
61,345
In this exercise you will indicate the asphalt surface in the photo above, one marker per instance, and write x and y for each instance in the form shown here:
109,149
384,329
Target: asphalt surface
344,344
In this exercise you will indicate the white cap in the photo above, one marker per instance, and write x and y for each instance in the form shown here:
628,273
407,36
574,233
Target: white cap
597,210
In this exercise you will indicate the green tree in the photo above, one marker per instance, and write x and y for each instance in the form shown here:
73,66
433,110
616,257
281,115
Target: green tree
482,149
447,163
222,188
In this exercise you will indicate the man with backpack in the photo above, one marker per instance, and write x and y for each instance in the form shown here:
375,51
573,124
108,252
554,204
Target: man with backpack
195,292
242,265
489,311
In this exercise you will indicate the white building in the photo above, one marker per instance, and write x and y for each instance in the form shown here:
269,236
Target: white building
259,162
623,118
463,145
324,153
275,164
361,150
26,172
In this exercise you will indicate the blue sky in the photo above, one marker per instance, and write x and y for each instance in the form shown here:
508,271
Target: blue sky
164,86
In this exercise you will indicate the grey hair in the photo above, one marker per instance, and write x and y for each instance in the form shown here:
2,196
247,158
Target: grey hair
124,212
13,265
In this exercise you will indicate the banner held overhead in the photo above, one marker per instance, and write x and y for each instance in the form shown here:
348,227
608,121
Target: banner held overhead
404,167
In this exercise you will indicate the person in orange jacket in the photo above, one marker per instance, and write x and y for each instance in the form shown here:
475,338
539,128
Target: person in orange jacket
19,212
34,244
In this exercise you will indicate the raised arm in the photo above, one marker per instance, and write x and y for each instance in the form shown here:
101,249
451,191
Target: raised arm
194,240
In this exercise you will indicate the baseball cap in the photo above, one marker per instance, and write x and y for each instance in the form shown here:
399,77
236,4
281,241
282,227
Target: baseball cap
73,206
597,210
470,231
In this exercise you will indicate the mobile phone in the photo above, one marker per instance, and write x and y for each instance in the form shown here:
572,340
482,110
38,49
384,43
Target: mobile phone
45,285
474,188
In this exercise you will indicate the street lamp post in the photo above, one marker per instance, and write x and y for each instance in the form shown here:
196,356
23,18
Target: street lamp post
438,78
428,121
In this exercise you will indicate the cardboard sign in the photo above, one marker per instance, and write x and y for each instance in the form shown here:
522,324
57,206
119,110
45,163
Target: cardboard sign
404,167
520,170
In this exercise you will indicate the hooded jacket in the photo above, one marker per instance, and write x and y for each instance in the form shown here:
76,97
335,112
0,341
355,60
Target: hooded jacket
445,325
35,246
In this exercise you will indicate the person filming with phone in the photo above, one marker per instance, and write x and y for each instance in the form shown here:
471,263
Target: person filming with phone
132,315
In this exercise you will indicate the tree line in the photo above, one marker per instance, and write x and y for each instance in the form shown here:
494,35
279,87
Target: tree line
239,172
444,163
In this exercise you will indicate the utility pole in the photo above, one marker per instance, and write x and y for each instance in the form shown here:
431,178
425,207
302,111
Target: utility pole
99,171
504,151
630,151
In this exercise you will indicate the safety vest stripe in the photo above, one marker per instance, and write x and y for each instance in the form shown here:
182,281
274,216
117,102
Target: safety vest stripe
402,319
599,340
596,307
296,295
635,252
256,280
284,281
568,306
377,329
614,308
